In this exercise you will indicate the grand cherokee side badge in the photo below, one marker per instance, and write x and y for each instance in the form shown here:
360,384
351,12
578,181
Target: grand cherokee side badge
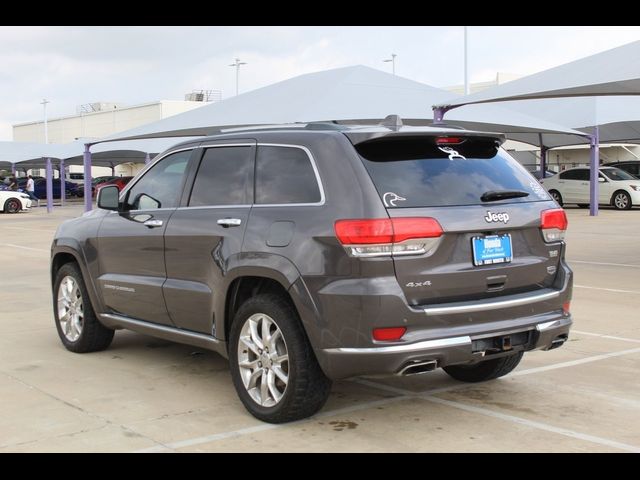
496,217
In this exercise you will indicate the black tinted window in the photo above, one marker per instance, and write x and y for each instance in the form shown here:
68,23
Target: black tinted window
579,174
160,186
617,174
225,177
417,173
285,175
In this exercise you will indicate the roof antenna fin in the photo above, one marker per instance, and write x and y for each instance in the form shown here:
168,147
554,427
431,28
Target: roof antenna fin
392,121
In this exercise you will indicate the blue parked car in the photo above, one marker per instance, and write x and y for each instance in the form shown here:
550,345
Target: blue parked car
40,185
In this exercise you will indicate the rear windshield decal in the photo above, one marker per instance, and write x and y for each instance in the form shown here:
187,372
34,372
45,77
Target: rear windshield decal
452,153
389,199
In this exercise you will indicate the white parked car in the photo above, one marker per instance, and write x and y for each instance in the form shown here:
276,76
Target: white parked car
13,202
617,187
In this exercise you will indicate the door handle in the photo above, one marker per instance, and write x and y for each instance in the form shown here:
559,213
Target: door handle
229,222
153,223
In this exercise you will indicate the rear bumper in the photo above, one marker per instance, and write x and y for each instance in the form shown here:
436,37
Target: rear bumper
391,359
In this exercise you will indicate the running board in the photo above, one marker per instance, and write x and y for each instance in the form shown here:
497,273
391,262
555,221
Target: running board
163,331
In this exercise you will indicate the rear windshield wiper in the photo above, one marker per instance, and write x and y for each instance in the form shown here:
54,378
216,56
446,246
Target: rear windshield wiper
493,195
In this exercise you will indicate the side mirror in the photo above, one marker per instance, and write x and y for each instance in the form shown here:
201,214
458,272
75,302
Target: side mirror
108,197
602,180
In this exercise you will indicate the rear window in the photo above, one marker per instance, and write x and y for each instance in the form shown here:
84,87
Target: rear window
415,172
617,174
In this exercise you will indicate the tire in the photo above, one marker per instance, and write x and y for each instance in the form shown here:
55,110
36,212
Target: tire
79,335
583,205
556,196
306,389
621,200
12,205
486,370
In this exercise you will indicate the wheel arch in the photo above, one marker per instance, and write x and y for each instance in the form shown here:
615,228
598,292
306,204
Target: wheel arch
243,282
62,254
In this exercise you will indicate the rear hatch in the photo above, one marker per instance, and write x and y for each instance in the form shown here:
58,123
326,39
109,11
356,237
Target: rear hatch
489,208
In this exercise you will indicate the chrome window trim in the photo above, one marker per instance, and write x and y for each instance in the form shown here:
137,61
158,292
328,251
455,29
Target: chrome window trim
207,207
244,144
315,171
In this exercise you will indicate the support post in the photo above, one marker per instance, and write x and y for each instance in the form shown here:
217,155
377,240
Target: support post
147,158
49,181
594,186
13,169
63,183
87,178
438,114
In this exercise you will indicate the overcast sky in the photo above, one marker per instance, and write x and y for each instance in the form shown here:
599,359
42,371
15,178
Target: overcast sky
74,65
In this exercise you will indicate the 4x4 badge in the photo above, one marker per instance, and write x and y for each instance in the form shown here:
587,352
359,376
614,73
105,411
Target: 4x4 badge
389,199
452,153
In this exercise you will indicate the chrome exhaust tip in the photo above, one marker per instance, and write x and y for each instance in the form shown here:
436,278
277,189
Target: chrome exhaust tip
418,368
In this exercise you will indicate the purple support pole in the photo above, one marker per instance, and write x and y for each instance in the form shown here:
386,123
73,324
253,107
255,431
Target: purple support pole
595,168
543,156
147,158
438,114
49,186
63,183
87,178
13,169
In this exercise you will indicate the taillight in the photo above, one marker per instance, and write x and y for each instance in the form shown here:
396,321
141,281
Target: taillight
388,334
566,307
388,236
553,224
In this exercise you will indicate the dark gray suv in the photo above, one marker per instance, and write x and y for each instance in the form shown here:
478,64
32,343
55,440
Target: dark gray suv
315,252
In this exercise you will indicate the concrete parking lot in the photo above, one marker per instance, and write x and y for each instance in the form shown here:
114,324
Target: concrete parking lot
144,394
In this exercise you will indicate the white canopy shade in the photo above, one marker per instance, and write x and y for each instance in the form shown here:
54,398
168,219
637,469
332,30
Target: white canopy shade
613,72
355,93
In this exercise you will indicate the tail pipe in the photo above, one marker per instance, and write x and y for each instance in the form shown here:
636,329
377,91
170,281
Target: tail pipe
418,368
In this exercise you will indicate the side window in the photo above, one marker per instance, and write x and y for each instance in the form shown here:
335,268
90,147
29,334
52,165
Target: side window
225,177
570,175
285,175
160,186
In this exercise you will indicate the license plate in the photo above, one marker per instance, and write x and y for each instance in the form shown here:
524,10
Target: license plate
492,249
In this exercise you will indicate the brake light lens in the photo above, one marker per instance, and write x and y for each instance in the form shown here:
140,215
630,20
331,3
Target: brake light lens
388,334
566,307
388,236
449,140
553,224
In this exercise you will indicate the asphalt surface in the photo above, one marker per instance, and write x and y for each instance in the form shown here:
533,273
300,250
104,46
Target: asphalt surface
145,394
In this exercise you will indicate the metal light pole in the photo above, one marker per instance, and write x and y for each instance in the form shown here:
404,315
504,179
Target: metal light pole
393,62
237,65
467,90
46,126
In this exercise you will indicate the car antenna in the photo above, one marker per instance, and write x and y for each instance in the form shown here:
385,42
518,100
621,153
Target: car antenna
392,121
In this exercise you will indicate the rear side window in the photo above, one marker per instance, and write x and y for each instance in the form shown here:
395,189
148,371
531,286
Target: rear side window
415,172
581,174
225,177
285,175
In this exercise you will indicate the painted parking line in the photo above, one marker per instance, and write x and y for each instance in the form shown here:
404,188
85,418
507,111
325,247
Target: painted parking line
609,337
615,290
25,248
630,265
533,424
52,230
402,395
573,363
267,426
